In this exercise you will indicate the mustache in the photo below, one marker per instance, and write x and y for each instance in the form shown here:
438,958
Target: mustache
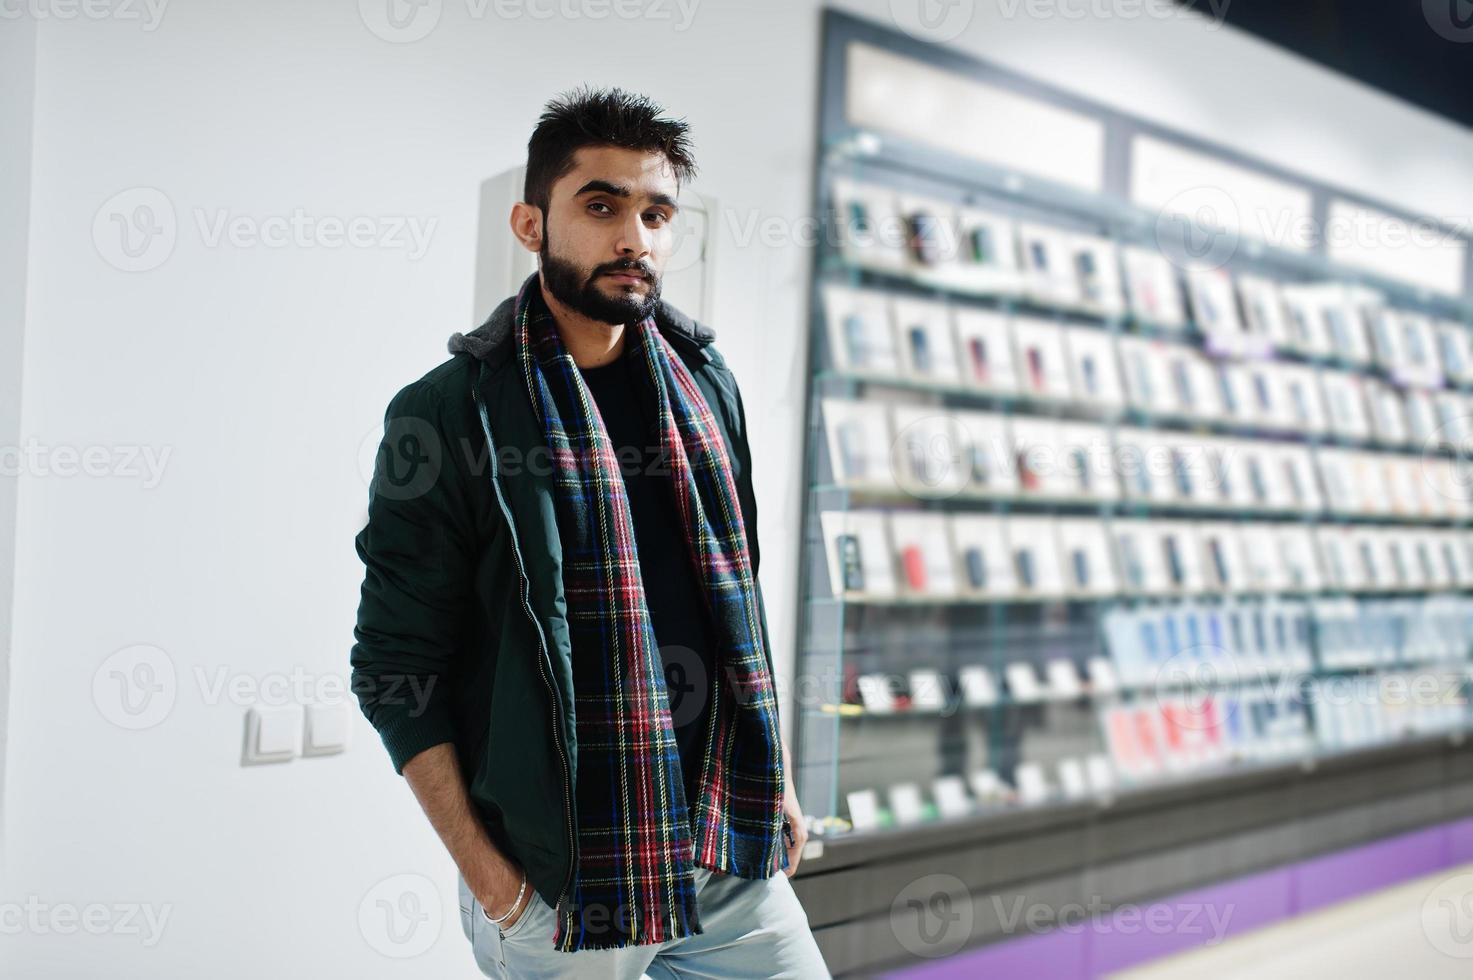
625,267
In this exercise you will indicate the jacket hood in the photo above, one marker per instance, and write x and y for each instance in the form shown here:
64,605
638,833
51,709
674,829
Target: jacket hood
489,340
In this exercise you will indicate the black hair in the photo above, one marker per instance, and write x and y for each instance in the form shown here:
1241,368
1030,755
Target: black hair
600,117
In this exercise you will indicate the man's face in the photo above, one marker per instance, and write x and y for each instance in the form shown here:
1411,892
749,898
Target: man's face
608,233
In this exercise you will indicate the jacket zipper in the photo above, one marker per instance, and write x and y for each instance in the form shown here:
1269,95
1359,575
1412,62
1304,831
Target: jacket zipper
545,659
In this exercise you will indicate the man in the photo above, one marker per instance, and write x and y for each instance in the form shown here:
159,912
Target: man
561,639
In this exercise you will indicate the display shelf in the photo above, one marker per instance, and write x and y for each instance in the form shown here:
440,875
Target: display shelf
984,601
1132,692
841,271
1001,821
964,500
1023,740
1043,406
976,182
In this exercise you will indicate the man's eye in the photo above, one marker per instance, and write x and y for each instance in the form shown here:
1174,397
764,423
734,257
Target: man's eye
658,217
600,204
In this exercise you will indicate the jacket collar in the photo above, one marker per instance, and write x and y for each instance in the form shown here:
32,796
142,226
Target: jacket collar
490,341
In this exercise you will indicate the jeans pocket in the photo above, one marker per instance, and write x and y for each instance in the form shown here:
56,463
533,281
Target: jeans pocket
485,942
467,907
534,906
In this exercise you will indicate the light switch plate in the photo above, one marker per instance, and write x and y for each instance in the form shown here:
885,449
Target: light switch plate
327,729
273,734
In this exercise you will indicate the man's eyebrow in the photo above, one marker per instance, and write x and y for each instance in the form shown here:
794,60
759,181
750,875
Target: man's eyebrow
599,186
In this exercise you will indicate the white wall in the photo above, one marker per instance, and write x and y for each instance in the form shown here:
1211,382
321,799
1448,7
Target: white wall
17,79
259,371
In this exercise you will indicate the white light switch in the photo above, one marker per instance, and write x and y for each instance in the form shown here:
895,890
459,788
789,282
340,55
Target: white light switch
273,734
327,729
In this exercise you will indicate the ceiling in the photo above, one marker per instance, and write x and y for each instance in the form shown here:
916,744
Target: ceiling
1418,50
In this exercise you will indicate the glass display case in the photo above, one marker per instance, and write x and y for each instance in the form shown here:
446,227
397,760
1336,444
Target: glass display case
1089,506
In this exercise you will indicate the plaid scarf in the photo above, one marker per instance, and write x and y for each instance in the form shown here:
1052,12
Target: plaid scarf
639,838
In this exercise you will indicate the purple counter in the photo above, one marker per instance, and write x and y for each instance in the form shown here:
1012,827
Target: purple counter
1141,932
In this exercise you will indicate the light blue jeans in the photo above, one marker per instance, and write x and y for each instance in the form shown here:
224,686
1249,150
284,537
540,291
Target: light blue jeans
752,928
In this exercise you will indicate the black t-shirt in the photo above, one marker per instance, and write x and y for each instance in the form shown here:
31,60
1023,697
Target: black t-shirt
672,586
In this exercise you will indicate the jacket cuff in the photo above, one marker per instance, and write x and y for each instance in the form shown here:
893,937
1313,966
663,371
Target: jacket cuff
406,733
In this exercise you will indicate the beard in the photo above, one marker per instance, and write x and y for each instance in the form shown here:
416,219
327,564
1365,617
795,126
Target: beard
579,291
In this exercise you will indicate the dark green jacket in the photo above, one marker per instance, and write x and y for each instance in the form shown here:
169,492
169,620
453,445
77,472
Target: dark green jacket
462,635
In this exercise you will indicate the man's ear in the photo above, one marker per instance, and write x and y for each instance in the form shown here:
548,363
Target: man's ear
526,224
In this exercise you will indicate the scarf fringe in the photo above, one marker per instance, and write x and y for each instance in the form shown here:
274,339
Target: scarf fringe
682,920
